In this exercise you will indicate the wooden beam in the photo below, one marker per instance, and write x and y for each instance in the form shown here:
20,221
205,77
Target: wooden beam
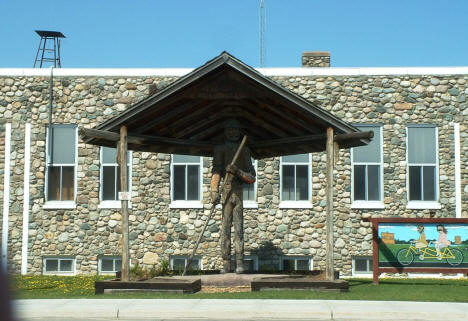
122,159
148,140
137,139
219,118
279,111
352,136
219,128
203,135
330,273
290,140
254,110
168,115
186,118
313,138
268,122
176,150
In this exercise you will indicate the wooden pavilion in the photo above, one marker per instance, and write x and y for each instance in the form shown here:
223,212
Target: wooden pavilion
188,116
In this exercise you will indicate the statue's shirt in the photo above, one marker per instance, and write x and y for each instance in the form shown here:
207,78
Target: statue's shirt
223,155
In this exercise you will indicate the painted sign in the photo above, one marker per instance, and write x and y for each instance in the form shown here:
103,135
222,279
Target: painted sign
423,245
428,245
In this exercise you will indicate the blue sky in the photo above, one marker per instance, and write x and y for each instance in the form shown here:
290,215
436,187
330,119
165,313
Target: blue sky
409,231
187,33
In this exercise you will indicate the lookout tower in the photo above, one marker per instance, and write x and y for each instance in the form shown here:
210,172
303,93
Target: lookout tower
49,48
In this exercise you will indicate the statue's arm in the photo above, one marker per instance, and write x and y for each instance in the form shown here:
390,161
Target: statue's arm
216,174
247,175
214,187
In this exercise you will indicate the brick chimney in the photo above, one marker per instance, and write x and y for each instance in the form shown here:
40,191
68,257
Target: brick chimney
316,59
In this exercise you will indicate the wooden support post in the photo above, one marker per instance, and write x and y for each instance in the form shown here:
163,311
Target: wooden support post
122,161
375,252
336,152
330,273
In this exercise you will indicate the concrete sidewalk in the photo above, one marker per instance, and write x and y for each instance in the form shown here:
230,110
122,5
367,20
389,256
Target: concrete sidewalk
156,309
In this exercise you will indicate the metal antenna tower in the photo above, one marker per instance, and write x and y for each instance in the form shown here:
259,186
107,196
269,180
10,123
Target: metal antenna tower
262,33
49,48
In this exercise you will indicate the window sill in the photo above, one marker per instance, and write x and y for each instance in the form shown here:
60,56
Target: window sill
361,274
422,205
250,204
107,272
368,205
186,204
112,204
295,204
57,205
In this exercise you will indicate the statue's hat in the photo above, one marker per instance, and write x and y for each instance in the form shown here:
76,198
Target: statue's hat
233,123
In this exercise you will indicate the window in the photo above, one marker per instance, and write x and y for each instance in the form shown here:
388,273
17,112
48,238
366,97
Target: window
362,265
56,265
186,181
367,171
295,181
61,163
177,263
250,191
109,264
110,177
296,263
250,263
422,159
270,266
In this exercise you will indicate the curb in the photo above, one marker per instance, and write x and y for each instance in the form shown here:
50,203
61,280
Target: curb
197,309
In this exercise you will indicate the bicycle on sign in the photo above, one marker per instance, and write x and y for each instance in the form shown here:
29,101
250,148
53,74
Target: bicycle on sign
451,255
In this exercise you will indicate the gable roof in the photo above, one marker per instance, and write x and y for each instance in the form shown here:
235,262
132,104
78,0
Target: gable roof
188,116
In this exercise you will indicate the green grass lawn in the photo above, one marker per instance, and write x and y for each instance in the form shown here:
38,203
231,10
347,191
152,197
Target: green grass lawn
63,287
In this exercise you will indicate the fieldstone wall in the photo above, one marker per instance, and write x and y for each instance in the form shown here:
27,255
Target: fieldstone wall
158,231
316,59
2,171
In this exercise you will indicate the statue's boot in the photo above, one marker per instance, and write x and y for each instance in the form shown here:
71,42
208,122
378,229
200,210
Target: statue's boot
239,266
226,267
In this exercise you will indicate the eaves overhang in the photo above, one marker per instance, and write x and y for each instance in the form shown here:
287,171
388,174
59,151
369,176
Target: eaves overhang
187,117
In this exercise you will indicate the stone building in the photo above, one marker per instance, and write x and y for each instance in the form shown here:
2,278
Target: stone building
59,196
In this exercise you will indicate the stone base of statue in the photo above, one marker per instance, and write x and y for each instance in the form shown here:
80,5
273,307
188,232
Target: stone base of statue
162,284
228,282
299,282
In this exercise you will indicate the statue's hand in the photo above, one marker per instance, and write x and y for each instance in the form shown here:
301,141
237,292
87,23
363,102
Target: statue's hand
215,197
232,169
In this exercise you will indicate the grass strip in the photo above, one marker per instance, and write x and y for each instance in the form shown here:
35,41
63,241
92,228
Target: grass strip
424,290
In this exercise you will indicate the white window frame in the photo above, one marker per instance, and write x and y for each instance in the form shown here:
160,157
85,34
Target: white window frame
57,204
113,258
249,203
185,258
295,258
302,203
184,203
252,258
369,263
109,204
59,258
420,204
365,204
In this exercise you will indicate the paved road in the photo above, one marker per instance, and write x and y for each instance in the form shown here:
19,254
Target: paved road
236,310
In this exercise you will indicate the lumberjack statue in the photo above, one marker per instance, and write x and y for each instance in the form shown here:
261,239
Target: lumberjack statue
241,172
